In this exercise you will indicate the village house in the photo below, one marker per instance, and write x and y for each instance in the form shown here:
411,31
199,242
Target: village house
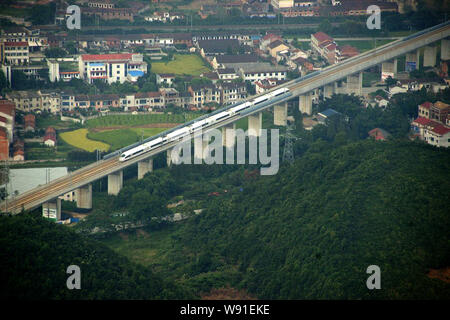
203,94
379,134
232,61
232,92
50,137
29,123
165,78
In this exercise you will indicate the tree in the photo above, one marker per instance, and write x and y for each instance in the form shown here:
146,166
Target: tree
144,206
390,82
3,82
55,53
43,14
325,26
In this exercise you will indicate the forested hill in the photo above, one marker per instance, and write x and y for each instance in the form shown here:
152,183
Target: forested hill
35,254
311,231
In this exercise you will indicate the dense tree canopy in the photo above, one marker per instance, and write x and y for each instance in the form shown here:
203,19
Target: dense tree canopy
36,253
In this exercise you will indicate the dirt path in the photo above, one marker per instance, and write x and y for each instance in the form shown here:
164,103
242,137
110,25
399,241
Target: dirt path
148,125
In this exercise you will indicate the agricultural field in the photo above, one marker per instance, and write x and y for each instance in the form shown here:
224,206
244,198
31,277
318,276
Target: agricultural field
183,64
53,121
138,120
123,137
37,151
78,138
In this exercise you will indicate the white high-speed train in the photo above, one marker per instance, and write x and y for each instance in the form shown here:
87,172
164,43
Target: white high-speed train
198,125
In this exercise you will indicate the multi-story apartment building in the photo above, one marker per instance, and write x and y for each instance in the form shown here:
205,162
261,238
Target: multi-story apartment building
259,71
35,41
15,53
203,94
232,92
50,100
118,67
171,96
439,111
27,101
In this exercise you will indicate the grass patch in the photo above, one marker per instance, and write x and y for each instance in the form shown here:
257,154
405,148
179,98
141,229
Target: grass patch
157,251
123,137
182,64
369,77
115,138
147,132
53,121
78,138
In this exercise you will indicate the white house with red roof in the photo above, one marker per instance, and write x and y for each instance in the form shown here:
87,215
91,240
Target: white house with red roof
116,67
319,40
438,136
432,132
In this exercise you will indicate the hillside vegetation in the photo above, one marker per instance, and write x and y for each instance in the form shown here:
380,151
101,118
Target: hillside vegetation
36,253
311,231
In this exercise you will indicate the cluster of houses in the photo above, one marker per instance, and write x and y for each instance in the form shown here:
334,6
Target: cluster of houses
196,97
298,8
433,124
327,48
11,147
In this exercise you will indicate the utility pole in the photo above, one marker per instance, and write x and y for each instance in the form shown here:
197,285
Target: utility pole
288,152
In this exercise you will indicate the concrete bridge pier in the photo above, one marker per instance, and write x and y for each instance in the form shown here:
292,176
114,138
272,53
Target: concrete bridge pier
445,49
255,124
280,114
52,209
328,90
412,60
390,68
115,182
169,157
84,197
144,166
337,86
354,84
429,56
229,135
305,103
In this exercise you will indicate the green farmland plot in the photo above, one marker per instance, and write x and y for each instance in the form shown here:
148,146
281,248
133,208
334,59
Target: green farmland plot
183,64
123,137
